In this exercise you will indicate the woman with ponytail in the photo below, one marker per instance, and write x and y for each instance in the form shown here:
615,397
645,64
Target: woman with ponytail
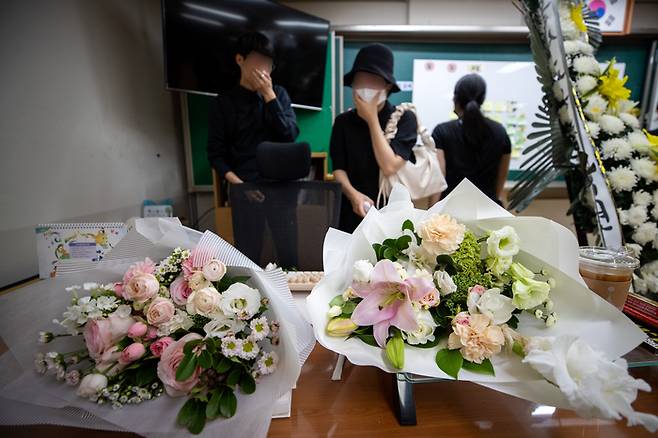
473,146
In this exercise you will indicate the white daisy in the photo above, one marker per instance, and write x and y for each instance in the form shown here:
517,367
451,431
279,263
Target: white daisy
645,233
622,179
231,346
611,124
267,363
586,83
596,106
645,168
259,328
249,349
639,141
587,65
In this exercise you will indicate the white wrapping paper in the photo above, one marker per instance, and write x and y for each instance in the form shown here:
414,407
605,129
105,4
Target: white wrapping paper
544,244
29,398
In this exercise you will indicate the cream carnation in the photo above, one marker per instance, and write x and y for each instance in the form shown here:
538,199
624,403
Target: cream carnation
441,234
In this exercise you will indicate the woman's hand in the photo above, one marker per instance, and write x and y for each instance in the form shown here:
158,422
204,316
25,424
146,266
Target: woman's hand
358,201
367,110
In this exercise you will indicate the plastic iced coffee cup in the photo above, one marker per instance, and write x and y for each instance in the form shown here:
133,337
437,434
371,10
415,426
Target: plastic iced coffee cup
608,272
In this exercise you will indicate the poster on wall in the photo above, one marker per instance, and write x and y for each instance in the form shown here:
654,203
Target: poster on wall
614,15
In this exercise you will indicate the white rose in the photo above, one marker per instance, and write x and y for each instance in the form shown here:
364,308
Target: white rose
198,281
91,385
593,385
503,242
240,300
204,302
362,270
214,270
221,326
424,331
491,303
622,179
444,282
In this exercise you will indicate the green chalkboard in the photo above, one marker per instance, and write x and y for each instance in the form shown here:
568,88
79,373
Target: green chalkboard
314,127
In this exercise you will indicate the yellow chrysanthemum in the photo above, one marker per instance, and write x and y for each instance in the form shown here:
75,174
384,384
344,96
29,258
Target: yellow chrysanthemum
653,149
611,87
577,18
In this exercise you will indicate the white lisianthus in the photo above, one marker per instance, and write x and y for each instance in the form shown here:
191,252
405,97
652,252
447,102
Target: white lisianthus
565,115
616,148
622,179
362,270
424,331
645,233
491,303
587,65
444,283
595,106
91,385
642,198
645,168
639,141
630,120
593,385
594,129
222,325
611,124
586,83
636,215
520,272
503,242
240,300
529,293
499,265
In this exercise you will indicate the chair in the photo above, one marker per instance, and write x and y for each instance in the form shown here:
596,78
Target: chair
282,219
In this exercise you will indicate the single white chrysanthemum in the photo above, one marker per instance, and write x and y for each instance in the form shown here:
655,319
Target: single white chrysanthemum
630,120
642,198
587,65
611,124
622,179
616,148
645,233
639,141
594,129
596,106
586,83
645,168
637,215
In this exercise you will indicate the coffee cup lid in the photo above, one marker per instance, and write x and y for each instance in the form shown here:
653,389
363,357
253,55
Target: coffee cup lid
615,258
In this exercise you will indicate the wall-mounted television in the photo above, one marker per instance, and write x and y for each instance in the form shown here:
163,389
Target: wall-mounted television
200,36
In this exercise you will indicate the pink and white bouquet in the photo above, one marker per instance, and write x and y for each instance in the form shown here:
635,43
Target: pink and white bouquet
465,290
183,326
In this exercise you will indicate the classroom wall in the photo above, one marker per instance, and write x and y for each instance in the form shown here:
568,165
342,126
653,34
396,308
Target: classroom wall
87,130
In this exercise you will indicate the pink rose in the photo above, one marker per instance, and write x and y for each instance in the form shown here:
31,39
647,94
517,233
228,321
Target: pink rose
101,334
118,289
160,345
478,289
189,266
145,267
140,288
169,360
180,290
160,311
152,333
137,330
131,353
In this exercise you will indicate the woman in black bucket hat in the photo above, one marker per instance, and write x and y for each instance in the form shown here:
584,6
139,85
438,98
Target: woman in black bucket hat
358,147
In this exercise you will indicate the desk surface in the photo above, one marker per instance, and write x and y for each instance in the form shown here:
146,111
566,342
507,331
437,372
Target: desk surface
360,405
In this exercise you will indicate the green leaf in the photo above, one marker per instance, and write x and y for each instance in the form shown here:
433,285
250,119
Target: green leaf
390,254
224,365
513,322
198,418
486,367
145,375
186,368
247,384
336,301
186,413
378,248
211,345
449,361
389,243
395,351
403,242
228,403
348,308
408,225
227,281
234,377
212,409
189,346
205,359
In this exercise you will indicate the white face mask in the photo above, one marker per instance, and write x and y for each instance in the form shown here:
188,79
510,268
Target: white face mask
368,94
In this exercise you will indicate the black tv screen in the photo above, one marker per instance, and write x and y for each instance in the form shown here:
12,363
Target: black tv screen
200,36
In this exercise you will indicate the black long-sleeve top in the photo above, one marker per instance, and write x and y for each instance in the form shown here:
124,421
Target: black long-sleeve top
238,121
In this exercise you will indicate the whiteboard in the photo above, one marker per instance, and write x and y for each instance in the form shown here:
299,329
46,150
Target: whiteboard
513,95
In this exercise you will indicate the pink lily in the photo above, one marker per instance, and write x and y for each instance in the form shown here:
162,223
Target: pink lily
387,300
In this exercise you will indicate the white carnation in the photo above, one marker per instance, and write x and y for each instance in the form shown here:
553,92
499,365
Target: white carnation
586,83
611,124
645,168
645,233
594,129
596,106
639,141
630,120
587,65
616,148
642,198
622,179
